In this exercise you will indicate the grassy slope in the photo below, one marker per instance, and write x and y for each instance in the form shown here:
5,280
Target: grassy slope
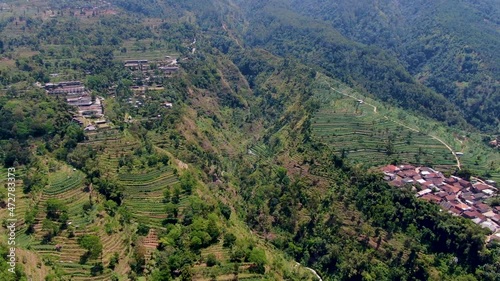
364,133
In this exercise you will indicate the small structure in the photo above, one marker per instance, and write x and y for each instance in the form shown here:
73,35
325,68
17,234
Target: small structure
90,128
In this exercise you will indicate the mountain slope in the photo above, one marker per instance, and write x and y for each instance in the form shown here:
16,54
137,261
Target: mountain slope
215,171
450,46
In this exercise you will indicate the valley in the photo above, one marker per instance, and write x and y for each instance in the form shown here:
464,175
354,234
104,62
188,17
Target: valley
235,140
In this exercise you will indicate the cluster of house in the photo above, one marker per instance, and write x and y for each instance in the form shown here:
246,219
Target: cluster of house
87,107
456,195
147,76
150,73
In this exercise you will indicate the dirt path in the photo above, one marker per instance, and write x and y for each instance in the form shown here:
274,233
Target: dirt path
312,270
403,125
374,107
449,148
434,137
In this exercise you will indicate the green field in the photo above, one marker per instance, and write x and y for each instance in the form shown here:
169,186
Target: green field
143,49
144,195
67,185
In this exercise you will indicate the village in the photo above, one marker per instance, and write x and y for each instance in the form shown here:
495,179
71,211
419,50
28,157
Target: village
147,76
458,196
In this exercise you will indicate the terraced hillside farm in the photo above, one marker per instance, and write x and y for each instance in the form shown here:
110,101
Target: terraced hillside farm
354,128
111,146
62,251
144,49
144,195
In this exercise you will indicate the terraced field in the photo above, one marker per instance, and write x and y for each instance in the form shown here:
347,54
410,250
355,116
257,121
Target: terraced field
224,270
353,128
66,185
144,194
111,145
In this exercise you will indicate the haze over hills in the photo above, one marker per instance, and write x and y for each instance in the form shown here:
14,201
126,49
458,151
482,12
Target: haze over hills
244,140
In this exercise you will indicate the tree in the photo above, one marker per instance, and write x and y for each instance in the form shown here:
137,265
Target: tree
51,229
111,189
114,260
258,258
229,240
211,260
225,210
92,244
56,209
464,173
212,228
110,206
142,229
187,182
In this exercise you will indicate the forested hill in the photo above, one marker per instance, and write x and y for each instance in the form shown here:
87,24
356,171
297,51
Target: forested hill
437,58
372,70
450,46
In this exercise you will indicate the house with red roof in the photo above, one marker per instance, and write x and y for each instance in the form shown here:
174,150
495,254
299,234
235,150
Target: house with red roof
462,207
482,208
479,187
390,169
429,197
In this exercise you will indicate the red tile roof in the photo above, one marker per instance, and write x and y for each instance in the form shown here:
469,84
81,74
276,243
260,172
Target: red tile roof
481,186
462,206
390,169
437,181
483,208
407,167
431,198
455,211
470,214
464,183
442,194
450,188
496,218
450,180
452,197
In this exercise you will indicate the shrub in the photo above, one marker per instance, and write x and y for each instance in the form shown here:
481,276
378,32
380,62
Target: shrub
211,260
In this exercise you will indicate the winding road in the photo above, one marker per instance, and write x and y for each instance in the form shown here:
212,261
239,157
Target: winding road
434,137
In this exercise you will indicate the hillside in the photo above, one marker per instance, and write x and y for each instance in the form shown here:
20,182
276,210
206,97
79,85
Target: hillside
159,140
449,46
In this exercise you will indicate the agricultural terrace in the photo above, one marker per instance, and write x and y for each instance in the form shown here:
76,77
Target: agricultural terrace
62,251
112,146
355,130
144,194
145,49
